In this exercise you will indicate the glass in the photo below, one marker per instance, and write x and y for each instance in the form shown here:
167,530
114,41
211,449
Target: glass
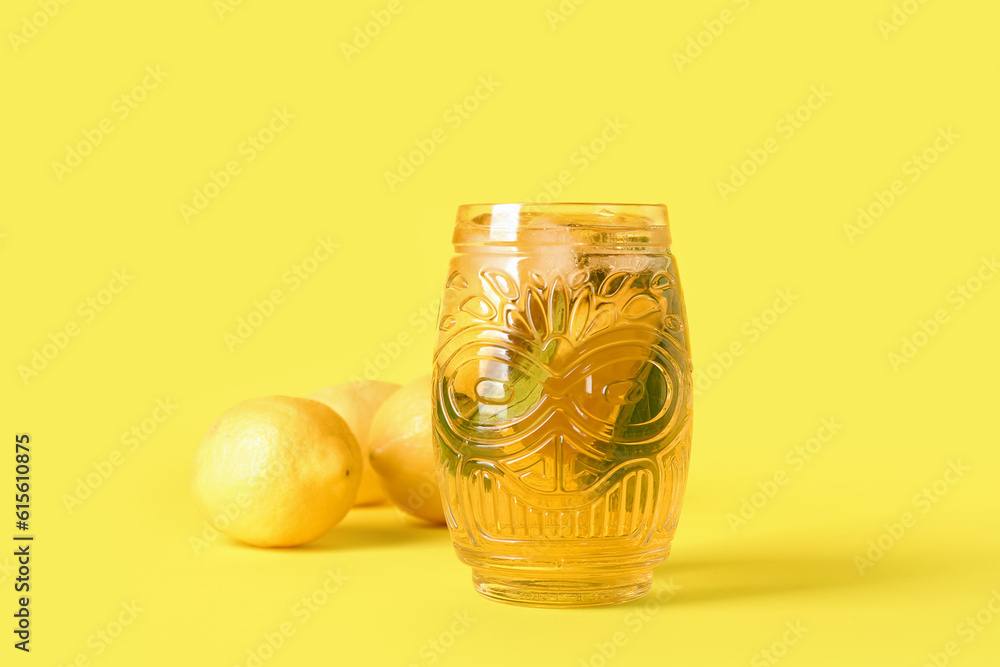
562,400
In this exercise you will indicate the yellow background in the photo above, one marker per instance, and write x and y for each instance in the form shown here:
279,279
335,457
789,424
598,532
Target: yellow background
162,336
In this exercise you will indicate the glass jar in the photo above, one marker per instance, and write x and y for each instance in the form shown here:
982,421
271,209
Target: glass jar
562,399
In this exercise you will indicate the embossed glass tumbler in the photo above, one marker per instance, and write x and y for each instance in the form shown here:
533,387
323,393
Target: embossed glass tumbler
562,400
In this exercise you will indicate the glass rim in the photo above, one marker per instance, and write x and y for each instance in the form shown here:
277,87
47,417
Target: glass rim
617,227
593,214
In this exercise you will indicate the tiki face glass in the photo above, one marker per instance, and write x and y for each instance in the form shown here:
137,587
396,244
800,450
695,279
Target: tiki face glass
562,400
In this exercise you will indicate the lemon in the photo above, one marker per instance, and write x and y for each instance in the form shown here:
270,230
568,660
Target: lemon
402,451
357,402
276,471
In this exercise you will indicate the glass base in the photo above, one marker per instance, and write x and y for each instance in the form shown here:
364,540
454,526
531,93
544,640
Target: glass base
532,589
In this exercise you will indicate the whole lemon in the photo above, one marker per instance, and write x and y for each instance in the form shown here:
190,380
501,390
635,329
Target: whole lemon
357,402
276,471
401,450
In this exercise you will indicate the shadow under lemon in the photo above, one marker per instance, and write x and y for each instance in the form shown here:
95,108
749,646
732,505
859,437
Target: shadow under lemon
374,527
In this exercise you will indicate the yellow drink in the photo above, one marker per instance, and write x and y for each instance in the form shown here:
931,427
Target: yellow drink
562,400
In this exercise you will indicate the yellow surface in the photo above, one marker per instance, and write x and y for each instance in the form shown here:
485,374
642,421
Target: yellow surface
170,325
